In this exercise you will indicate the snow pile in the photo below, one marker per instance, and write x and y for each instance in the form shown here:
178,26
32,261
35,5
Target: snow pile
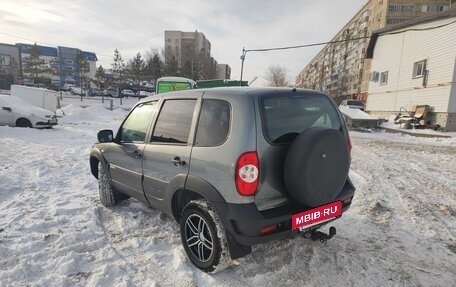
91,113
356,113
400,230
389,124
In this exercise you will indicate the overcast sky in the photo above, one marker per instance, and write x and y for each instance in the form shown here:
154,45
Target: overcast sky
138,26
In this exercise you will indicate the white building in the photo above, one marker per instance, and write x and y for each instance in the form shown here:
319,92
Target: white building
414,63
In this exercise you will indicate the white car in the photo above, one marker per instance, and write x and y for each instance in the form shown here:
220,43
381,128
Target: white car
78,91
17,112
127,93
352,104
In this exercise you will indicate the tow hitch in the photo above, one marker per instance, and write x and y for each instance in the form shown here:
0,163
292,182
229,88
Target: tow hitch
323,237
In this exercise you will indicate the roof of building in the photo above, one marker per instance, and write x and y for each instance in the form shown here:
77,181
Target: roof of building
89,56
420,20
8,45
45,51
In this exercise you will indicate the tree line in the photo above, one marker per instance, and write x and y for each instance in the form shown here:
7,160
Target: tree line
123,72
131,72
152,66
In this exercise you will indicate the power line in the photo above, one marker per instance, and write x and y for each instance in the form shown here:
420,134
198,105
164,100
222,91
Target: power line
346,40
303,46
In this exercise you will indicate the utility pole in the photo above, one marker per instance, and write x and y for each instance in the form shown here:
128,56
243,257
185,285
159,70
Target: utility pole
244,52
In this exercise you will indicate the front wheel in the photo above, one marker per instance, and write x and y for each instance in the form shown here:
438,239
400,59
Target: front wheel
108,195
203,237
23,123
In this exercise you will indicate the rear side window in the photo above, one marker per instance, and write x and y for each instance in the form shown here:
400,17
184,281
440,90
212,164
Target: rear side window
286,116
213,124
174,122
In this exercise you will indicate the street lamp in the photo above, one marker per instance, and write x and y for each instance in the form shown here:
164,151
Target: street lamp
242,63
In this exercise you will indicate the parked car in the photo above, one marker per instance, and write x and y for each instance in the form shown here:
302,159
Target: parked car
143,94
234,166
111,92
96,92
353,104
127,93
67,87
78,91
17,112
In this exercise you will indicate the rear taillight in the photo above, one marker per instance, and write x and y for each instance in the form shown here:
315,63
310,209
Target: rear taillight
349,144
247,174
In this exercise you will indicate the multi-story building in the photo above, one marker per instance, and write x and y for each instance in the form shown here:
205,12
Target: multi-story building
50,59
62,64
76,64
223,72
192,53
186,46
10,66
340,68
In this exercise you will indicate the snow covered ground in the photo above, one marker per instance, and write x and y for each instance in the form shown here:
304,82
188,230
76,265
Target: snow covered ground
400,231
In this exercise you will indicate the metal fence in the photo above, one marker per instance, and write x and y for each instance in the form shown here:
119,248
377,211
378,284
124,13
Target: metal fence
82,99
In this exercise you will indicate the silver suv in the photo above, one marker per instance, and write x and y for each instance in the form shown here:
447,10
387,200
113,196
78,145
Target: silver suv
234,166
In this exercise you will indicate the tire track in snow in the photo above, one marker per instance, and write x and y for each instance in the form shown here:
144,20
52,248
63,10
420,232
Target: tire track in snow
147,242
411,182
410,218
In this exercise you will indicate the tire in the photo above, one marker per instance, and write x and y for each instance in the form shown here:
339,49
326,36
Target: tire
203,237
108,195
23,123
316,166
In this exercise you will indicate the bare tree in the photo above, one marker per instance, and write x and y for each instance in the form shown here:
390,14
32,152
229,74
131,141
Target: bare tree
276,76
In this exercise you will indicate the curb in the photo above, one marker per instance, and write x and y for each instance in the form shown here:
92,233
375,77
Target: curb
405,132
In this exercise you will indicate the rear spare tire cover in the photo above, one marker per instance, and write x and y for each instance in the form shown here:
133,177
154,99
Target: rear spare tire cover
316,166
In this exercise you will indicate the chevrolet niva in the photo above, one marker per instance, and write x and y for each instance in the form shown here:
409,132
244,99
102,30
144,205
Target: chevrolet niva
234,166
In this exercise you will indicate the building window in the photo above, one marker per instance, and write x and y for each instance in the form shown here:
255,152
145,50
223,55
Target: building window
434,8
384,78
394,21
69,62
374,76
419,68
401,8
5,60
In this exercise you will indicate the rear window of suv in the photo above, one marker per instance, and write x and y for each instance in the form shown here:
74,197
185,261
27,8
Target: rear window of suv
285,116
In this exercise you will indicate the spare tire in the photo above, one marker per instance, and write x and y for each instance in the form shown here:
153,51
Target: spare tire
316,166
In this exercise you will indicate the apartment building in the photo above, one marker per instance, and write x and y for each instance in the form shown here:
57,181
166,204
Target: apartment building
223,72
340,68
185,46
192,53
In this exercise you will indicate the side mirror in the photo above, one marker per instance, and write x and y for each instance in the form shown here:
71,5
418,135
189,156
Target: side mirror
105,136
7,109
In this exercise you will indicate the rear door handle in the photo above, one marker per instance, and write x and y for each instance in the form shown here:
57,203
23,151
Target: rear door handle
177,161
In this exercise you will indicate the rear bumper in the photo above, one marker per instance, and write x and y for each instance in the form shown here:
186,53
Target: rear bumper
244,222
